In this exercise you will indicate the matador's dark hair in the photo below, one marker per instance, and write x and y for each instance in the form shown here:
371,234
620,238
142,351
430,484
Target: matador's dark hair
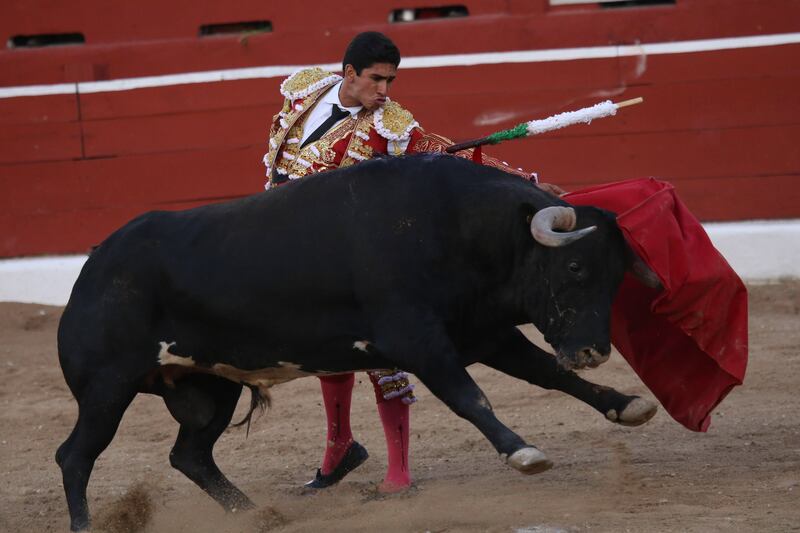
368,48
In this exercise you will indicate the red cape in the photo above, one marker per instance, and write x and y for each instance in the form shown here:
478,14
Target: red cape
687,342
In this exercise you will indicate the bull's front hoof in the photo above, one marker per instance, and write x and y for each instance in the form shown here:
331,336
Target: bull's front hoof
636,413
79,524
529,461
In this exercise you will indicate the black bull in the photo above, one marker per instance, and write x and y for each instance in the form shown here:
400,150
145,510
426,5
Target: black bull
422,263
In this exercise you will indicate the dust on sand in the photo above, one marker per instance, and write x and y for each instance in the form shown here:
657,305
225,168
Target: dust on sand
743,475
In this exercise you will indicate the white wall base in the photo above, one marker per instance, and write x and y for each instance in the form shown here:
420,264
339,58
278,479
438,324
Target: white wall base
42,280
759,250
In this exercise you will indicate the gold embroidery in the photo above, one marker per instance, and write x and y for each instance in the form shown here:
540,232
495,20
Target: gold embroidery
357,150
341,130
490,161
302,82
394,122
295,86
320,155
291,118
431,142
327,155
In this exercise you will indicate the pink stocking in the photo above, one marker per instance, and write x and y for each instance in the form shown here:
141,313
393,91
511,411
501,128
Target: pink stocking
394,415
336,394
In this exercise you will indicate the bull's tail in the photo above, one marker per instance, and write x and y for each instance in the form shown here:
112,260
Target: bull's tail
259,399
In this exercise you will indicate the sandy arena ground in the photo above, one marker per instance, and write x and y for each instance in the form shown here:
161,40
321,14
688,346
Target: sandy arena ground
743,475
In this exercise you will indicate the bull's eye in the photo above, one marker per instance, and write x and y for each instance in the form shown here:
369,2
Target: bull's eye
574,267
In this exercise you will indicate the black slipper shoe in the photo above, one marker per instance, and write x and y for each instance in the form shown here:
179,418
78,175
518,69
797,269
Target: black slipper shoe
355,455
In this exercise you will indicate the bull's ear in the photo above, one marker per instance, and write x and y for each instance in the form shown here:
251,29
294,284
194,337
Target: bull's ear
525,212
641,270
522,225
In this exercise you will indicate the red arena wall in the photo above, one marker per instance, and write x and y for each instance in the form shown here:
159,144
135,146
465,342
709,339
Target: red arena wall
80,154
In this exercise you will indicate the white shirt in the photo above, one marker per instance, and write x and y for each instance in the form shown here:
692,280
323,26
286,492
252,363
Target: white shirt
322,111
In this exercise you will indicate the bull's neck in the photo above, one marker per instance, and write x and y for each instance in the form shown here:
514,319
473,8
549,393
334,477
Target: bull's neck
503,307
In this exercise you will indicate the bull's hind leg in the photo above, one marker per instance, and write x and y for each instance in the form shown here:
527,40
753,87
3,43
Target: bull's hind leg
100,408
511,352
204,406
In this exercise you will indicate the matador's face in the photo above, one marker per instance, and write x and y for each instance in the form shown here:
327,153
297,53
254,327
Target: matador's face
370,88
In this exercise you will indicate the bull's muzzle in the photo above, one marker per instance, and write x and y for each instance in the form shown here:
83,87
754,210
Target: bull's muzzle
583,357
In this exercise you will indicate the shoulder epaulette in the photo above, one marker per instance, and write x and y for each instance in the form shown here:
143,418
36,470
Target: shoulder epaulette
393,122
306,81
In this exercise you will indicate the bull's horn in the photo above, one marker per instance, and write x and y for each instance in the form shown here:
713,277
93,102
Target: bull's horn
557,218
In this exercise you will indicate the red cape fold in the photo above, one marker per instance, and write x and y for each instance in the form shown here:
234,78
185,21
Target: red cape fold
688,342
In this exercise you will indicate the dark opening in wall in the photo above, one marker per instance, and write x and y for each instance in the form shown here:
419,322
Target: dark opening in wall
427,13
228,28
636,3
45,39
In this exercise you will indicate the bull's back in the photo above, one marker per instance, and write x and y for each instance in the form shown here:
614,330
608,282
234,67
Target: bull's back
313,246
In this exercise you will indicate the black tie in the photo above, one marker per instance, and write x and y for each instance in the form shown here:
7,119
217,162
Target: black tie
337,114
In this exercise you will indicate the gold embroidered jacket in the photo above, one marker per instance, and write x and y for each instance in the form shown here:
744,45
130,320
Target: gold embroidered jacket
390,129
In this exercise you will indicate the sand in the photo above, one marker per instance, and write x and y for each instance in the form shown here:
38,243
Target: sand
743,475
